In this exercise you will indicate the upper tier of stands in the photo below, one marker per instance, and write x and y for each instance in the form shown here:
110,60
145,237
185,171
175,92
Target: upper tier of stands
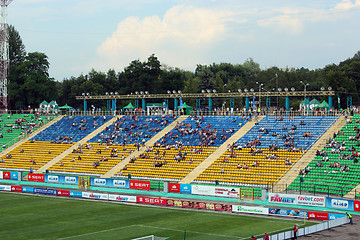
335,169
285,132
204,130
71,128
133,129
14,125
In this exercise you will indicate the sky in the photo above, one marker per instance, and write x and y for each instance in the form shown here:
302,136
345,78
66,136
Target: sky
80,35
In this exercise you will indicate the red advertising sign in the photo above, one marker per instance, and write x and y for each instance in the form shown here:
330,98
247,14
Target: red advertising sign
156,201
140,185
6,175
210,206
218,207
63,193
318,215
170,202
187,204
357,205
201,205
174,187
177,203
16,188
34,177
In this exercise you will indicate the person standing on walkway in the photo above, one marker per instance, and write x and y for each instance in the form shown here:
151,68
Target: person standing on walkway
349,217
266,237
296,228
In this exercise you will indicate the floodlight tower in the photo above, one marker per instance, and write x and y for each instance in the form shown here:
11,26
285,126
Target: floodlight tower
4,53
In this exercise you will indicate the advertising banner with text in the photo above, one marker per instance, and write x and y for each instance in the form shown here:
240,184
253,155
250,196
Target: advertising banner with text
5,188
122,198
108,182
297,199
62,179
338,203
215,191
16,188
357,205
288,212
150,200
91,195
34,177
318,215
140,185
247,209
174,187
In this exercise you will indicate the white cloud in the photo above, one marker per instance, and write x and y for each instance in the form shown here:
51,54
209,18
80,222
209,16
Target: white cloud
181,29
347,4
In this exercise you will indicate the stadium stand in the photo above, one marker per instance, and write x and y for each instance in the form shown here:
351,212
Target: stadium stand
335,169
183,148
15,126
266,152
51,142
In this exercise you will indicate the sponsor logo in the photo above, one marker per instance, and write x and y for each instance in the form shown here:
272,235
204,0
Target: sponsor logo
52,178
279,199
70,180
119,183
100,181
337,203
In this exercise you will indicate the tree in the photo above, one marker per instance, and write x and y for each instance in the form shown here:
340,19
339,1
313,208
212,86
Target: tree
37,85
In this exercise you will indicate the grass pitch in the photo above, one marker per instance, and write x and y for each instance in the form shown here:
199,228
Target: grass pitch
39,217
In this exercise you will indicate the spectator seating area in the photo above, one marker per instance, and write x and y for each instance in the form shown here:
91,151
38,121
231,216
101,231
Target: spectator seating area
12,126
335,169
266,152
51,142
133,129
286,132
32,155
93,158
204,130
71,129
167,163
247,167
184,147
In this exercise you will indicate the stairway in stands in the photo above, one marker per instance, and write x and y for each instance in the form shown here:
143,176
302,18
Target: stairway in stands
150,142
290,176
218,152
79,143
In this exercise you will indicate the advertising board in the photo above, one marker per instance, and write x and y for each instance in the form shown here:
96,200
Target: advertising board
150,200
45,191
297,199
1,174
247,209
16,188
122,198
63,193
215,191
14,176
185,188
318,215
92,195
140,185
34,177
75,194
333,216
28,189
6,175
108,182
338,203
174,187
357,205
5,188
288,212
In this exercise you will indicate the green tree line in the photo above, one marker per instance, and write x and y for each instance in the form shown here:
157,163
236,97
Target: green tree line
30,83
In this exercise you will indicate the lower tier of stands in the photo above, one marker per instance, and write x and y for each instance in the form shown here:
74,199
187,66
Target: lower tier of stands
246,167
161,163
93,158
32,155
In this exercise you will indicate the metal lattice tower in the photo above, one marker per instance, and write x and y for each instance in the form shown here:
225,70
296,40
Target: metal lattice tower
4,53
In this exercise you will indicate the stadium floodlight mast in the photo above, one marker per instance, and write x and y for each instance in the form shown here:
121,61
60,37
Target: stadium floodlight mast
4,54
260,86
305,104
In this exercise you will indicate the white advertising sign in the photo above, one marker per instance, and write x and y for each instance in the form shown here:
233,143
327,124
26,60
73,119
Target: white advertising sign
215,191
297,199
122,198
91,195
247,209
5,188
